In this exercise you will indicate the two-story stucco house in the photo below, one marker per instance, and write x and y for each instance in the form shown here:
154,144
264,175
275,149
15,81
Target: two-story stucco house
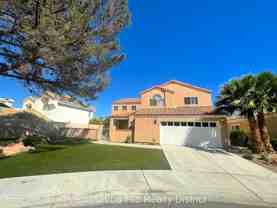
171,113
60,109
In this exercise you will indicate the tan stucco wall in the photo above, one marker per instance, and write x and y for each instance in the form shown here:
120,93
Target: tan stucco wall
271,122
177,98
118,135
147,129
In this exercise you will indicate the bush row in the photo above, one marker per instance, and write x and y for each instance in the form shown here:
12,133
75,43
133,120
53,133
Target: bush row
6,141
35,141
239,138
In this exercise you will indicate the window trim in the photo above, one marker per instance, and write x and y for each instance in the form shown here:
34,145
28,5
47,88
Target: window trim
123,120
192,100
163,123
213,124
190,124
184,123
154,102
206,124
198,124
124,108
170,123
177,123
115,107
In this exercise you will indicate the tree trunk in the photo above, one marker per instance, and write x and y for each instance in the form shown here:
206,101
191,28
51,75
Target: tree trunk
264,132
258,145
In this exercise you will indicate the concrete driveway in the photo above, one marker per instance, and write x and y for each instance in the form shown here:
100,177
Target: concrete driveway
221,174
197,179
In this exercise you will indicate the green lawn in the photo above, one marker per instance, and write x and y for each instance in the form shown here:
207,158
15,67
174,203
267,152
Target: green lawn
85,157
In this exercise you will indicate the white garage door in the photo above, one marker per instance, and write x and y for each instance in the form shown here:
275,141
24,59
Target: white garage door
194,134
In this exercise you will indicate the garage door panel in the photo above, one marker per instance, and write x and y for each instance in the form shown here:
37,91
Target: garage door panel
190,136
199,136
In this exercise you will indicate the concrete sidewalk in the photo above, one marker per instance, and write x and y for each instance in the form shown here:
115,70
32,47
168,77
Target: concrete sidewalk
92,189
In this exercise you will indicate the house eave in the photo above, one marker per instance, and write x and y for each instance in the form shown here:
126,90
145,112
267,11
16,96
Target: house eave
76,107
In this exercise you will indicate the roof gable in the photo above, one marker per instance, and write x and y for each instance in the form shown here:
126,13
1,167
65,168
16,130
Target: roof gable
128,101
162,86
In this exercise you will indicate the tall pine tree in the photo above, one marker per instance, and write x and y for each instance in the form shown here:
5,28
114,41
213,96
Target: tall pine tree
64,46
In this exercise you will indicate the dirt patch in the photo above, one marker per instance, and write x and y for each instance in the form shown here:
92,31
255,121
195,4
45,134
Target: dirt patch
270,166
13,149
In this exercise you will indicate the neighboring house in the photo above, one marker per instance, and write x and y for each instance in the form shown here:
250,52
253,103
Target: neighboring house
60,109
6,106
6,102
171,113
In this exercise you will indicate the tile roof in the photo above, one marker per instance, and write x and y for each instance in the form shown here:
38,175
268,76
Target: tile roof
201,110
123,115
63,101
127,101
176,82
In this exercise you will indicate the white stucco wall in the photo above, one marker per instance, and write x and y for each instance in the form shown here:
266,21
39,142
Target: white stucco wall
60,113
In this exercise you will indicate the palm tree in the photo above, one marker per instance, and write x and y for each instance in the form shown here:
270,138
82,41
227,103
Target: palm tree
237,97
265,99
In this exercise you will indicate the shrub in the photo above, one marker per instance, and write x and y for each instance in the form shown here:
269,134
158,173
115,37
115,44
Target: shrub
16,125
238,138
68,141
248,156
265,157
1,154
106,127
96,121
128,139
274,143
6,141
35,141
46,148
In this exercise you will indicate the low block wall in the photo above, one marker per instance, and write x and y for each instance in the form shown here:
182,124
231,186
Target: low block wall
271,122
93,132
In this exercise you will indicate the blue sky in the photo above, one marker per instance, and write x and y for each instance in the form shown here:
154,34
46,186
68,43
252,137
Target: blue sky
204,42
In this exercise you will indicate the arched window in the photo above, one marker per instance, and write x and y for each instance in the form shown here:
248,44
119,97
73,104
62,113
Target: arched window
157,100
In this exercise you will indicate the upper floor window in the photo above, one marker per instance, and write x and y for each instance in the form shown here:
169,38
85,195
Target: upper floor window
191,100
124,107
48,107
115,108
134,107
157,100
